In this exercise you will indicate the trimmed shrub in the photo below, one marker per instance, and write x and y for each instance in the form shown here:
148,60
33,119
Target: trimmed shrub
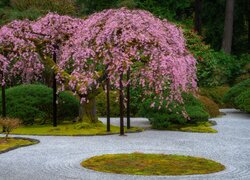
32,103
216,94
235,91
9,125
211,107
162,118
242,101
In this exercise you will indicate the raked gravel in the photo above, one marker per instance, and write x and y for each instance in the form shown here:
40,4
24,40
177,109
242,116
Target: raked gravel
59,158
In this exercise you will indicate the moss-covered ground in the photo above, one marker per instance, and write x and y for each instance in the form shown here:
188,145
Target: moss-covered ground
152,164
13,143
201,127
75,129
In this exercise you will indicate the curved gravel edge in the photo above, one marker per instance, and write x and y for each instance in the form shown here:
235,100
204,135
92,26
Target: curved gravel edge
35,141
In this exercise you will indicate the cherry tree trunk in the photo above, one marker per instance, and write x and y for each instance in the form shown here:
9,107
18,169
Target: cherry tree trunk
87,111
228,27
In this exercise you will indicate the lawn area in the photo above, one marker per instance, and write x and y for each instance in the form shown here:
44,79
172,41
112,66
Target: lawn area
14,143
202,127
79,129
152,164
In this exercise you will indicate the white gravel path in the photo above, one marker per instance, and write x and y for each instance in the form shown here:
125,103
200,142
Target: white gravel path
58,158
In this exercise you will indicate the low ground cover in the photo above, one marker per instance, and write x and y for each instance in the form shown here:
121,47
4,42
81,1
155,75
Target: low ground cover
77,129
152,164
14,143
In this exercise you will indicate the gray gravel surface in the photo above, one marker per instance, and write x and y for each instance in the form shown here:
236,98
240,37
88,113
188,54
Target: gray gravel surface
59,158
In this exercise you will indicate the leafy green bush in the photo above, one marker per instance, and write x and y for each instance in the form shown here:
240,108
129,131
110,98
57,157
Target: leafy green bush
211,107
33,103
213,68
243,101
101,103
162,118
235,91
216,94
245,70
32,9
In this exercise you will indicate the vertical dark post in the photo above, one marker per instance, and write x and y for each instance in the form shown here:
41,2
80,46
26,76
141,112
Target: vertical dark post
248,15
128,100
108,106
3,102
54,95
121,107
197,16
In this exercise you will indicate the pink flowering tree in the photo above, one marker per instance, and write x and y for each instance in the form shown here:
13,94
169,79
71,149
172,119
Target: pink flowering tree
103,46
17,56
111,42
27,47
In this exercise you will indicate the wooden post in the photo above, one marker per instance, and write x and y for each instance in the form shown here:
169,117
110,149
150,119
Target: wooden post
128,100
54,94
108,106
121,107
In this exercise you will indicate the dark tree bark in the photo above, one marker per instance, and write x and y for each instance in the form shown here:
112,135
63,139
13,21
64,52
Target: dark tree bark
3,102
108,106
54,95
121,97
197,16
228,27
87,110
128,100
248,15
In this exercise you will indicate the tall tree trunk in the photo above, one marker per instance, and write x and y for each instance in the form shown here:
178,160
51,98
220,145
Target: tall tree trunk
228,27
87,111
197,16
248,15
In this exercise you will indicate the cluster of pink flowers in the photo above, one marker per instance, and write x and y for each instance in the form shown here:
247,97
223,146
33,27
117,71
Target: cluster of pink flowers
113,41
104,45
17,53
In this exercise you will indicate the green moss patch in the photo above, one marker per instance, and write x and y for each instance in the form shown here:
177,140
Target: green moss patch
201,127
152,164
77,129
14,143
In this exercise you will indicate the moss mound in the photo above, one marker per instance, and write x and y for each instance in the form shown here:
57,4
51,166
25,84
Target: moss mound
14,143
152,164
211,107
200,127
216,94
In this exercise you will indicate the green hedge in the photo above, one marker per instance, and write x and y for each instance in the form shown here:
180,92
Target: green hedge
235,91
162,118
243,101
33,103
216,94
